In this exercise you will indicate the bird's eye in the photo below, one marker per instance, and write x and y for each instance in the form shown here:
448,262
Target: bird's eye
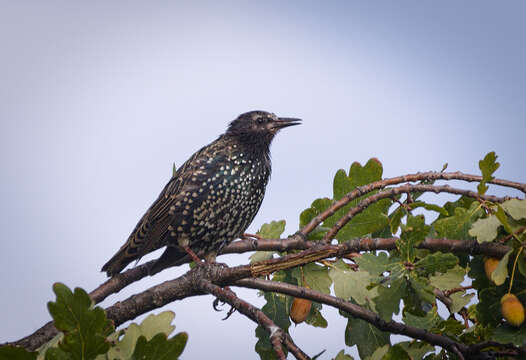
261,120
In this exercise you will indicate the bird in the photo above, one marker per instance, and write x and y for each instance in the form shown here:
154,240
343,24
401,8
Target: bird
210,200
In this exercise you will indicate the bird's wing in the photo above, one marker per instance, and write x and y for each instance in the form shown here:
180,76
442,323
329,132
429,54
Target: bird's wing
154,225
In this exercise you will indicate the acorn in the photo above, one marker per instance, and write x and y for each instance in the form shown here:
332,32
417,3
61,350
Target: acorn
512,310
490,264
300,309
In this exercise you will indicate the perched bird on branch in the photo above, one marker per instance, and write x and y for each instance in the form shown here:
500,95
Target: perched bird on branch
210,200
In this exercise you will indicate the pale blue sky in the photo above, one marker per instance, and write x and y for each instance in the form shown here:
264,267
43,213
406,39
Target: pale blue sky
98,99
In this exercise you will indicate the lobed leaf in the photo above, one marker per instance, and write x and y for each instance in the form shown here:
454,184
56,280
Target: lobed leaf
160,347
365,336
515,208
487,166
351,284
85,328
485,230
458,225
9,352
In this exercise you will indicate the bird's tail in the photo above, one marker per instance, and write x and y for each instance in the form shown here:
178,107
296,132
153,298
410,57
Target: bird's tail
119,261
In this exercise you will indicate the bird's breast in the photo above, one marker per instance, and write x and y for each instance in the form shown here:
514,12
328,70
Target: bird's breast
218,203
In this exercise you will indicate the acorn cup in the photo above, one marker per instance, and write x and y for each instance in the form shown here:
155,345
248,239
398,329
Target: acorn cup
490,264
512,310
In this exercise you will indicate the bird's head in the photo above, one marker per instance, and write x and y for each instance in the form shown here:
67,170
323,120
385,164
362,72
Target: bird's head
259,125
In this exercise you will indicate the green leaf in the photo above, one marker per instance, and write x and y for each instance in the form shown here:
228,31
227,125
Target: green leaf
501,272
488,166
85,328
372,219
272,230
51,343
341,184
374,264
174,170
506,334
428,321
515,208
422,289
460,299
396,352
396,218
413,233
457,226
485,230
343,356
261,256
488,307
388,299
318,206
449,279
449,327
149,327
462,202
159,347
315,317
351,284
521,265
277,309
9,352
436,262
503,218
57,354
416,349
364,335
316,277
379,353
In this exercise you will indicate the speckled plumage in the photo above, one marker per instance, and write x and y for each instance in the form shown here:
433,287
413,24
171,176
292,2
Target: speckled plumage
211,199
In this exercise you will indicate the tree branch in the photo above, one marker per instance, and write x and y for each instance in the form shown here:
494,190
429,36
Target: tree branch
276,334
317,251
314,251
461,350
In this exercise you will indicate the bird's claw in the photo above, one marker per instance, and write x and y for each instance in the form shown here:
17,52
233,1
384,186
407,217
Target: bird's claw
218,302
229,313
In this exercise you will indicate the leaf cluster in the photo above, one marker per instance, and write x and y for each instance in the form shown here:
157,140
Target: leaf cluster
409,281
86,334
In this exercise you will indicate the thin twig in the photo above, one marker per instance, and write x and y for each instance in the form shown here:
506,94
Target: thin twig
457,289
392,192
431,175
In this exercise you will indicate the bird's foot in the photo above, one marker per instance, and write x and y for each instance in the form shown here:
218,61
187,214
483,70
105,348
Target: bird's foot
216,303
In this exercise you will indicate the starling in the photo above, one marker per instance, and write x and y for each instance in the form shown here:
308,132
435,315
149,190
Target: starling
211,199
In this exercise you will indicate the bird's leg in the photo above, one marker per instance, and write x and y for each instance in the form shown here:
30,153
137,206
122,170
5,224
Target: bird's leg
192,254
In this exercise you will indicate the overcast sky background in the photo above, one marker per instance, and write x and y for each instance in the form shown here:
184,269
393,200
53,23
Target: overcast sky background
97,99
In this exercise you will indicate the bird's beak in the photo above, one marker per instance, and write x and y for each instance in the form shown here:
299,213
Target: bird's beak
281,123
